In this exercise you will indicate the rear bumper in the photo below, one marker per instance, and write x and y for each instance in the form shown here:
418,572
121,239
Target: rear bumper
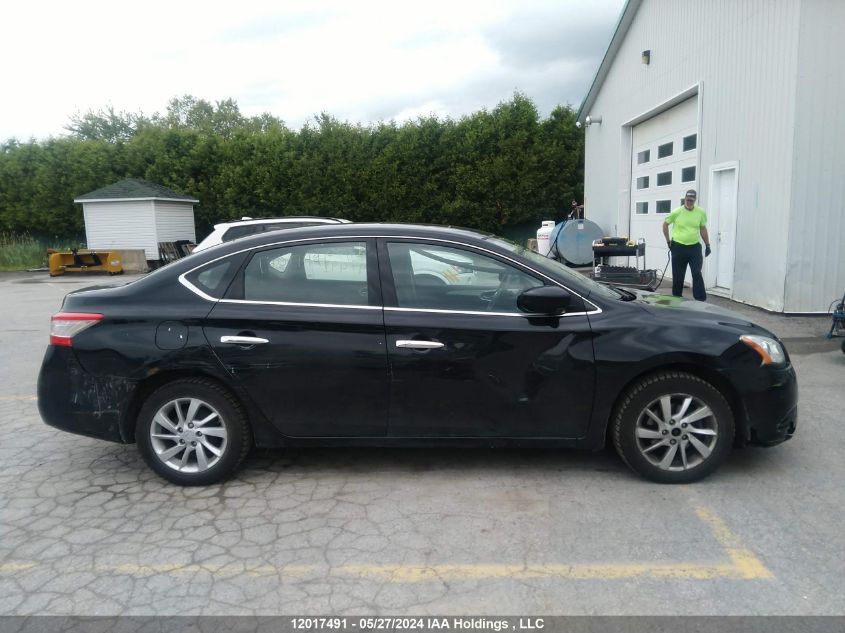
770,400
71,399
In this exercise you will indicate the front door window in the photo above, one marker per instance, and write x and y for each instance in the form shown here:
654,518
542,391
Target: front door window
431,277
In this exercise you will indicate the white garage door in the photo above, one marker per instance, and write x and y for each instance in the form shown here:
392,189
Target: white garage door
664,161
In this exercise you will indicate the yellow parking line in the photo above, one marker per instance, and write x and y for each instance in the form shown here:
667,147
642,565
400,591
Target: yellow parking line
428,573
744,560
743,565
423,573
6,568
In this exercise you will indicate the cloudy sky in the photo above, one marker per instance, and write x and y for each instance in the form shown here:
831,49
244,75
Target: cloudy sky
360,61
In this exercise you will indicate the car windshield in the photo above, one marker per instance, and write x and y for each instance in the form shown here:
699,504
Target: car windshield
555,268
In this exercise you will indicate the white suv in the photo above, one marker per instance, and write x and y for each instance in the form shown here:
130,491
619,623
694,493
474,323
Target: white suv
228,231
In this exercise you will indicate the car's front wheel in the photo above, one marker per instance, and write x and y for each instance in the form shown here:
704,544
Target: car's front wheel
673,427
192,432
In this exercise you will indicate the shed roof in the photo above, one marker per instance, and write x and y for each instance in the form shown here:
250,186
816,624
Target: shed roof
133,189
625,19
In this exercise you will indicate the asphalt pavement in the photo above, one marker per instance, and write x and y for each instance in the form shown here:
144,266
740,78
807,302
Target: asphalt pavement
87,529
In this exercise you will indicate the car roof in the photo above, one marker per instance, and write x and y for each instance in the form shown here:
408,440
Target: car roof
286,218
362,229
421,231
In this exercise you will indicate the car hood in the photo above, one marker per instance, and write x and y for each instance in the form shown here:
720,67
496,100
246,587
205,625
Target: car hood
668,306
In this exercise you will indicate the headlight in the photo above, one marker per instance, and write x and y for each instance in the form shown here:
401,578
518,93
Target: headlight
769,349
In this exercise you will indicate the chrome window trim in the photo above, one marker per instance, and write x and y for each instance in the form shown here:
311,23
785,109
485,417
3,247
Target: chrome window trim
193,288
300,305
522,315
596,309
391,309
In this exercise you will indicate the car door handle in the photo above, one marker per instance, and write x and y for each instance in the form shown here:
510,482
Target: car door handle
243,340
419,344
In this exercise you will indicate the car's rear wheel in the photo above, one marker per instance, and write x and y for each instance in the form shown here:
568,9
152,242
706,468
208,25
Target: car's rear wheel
673,427
192,432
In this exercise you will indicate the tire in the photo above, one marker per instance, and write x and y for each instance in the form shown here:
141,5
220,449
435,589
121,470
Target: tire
220,433
664,450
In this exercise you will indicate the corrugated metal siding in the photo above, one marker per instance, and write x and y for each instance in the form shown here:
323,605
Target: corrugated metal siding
175,221
744,55
816,262
121,225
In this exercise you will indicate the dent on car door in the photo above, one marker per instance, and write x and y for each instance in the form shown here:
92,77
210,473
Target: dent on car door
308,340
465,362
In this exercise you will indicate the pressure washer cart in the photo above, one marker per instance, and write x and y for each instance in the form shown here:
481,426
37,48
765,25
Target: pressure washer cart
632,276
837,312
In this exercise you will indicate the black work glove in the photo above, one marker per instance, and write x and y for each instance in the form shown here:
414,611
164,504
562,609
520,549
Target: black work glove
707,250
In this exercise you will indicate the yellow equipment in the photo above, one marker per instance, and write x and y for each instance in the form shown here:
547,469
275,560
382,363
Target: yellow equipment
84,261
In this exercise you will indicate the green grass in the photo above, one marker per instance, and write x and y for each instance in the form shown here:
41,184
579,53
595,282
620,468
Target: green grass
22,251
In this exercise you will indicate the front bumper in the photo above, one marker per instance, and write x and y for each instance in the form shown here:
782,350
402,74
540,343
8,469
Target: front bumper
781,432
769,399
71,399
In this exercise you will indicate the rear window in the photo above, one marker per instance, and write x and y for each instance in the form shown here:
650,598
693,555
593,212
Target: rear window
214,278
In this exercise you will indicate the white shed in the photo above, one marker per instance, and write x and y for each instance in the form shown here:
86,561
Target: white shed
137,214
741,101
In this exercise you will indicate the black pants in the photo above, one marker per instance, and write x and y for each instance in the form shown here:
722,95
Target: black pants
683,255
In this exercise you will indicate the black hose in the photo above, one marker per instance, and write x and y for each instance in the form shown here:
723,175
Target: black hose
668,259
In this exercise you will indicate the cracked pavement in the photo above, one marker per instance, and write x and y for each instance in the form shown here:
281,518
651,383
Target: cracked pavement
87,529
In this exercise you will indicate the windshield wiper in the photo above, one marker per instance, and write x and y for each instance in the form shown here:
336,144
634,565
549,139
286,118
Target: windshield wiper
627,295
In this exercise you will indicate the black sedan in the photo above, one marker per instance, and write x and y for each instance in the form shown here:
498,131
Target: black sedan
401,335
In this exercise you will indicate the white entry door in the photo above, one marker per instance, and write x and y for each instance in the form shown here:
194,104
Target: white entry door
722,225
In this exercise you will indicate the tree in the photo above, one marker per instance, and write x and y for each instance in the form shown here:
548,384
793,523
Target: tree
104,125
488,170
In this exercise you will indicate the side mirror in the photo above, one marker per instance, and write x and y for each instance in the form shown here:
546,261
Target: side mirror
544,300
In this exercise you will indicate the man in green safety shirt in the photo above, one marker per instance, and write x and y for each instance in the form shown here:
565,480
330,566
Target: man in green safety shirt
690,223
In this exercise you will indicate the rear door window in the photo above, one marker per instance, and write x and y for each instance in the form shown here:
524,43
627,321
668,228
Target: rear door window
321,273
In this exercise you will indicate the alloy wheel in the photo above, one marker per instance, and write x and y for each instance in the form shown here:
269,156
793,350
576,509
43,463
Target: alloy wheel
677,432
188,435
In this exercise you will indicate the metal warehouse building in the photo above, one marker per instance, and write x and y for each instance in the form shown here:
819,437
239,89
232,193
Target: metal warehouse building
741,100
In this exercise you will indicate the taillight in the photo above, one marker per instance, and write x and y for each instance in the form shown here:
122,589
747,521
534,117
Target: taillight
65,325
